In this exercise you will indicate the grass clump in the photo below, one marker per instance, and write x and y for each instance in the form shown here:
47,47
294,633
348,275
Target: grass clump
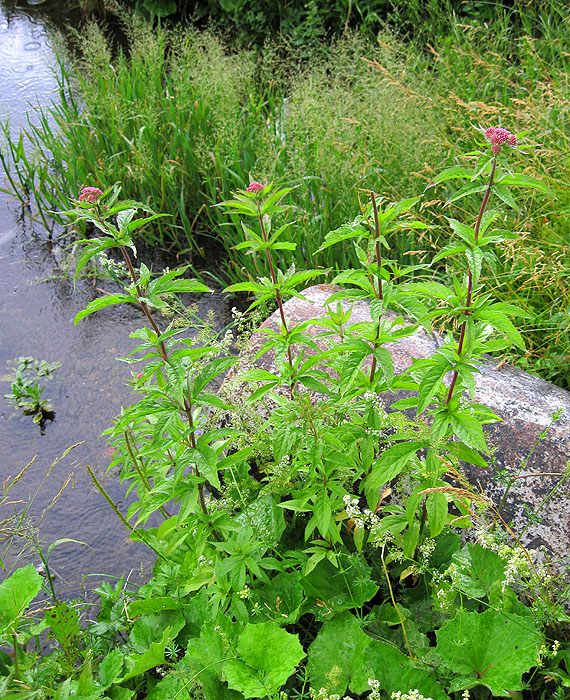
182,121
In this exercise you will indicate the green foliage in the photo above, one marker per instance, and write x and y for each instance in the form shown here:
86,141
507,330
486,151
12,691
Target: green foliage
26,392
306,540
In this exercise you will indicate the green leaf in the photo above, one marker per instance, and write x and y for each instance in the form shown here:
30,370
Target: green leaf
151,658
436,506
268,655
431,381
339,589
331,653
466,190
16,593
524,181
466,454
492,648
152,605
475,260
469,431
111,667
502,324
394,671
452,174
478,570
391,463
322,511
103,302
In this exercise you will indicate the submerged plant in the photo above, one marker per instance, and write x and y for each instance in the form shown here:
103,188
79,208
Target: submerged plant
26,390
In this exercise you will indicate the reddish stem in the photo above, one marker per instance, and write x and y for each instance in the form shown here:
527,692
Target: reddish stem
466,312
379,293
162,348
278,297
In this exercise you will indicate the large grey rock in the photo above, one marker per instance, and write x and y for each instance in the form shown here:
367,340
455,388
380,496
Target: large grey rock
526,405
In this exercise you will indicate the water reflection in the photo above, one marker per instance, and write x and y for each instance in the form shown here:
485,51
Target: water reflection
38,304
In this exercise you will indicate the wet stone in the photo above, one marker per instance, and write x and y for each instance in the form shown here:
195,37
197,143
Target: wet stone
521,444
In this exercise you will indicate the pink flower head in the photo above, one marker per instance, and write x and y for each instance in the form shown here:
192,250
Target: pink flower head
255,187
139,375
498,137
90,194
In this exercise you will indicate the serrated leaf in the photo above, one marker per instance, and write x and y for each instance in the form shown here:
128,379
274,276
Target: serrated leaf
110,668
469,430
431,381
492,648
452,174
436,506
102,303
391,463
331,653
394,672
16,593
524,181
268,655
478,570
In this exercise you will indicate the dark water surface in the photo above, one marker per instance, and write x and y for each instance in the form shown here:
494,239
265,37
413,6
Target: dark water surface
37,309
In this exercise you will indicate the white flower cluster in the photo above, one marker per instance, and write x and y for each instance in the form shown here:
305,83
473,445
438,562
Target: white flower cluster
362,518
244,593
410,695
518,567
545,653
324,695
375,689
116,267
444,591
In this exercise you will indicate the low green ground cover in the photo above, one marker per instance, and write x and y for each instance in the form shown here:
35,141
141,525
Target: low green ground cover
309,544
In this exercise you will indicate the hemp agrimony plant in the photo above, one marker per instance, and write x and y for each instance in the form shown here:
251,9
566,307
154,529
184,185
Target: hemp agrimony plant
319,555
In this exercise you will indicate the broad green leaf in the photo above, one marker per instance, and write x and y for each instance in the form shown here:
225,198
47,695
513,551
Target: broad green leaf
391,463
154,605
16,593
394,671
151,658
431,382
331,653
110,667
478,570
452,174
475,259
268,655
339,589
436,505
322,511
524,181
467,454
502,324
492,648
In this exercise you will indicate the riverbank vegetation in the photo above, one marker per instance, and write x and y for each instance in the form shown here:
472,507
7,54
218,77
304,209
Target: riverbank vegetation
182,119
310,544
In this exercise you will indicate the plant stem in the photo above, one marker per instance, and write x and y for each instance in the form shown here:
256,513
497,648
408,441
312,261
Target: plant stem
278,297
379,293
141,303
162,348
467,311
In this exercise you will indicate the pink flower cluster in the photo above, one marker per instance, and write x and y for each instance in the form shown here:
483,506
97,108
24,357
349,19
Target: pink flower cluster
255,187
90,194
498,137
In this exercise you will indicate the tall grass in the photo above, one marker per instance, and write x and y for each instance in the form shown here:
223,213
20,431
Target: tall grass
181,121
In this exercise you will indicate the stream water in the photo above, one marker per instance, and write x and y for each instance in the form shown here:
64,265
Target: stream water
38,304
